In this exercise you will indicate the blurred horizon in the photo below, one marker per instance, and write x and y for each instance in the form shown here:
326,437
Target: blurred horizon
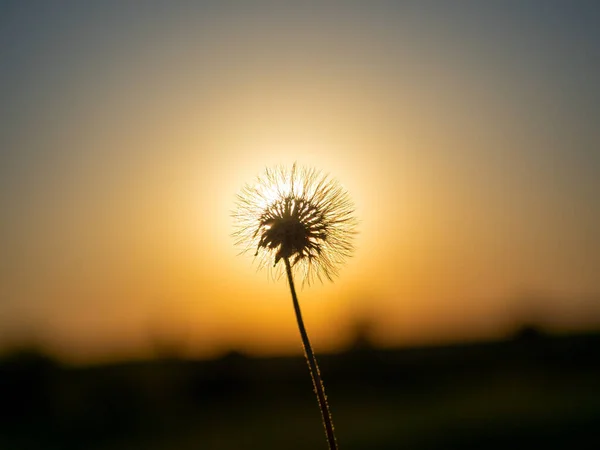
465,132
533,390
360,338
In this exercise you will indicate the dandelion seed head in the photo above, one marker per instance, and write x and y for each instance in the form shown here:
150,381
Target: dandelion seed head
300,215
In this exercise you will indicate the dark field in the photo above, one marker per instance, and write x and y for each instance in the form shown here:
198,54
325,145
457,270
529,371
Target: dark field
533,391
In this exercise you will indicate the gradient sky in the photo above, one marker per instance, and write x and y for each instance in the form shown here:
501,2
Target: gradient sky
466,132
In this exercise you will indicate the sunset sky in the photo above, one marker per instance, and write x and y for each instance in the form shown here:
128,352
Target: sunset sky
466,132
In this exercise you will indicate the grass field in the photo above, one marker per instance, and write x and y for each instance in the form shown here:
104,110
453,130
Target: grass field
531,392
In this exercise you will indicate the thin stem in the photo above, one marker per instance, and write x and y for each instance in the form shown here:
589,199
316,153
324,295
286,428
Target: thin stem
312,364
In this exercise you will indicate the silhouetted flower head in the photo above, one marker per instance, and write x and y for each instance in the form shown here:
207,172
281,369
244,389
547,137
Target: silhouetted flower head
298,214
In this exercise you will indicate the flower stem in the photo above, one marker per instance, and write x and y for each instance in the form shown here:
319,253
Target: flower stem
312,364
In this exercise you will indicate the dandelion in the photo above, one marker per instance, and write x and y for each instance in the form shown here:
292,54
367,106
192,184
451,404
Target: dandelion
300,215
298,222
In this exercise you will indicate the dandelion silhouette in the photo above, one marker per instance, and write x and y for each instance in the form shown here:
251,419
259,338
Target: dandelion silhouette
304,219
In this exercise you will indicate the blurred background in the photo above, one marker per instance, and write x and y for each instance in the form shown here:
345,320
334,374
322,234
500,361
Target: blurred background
466,133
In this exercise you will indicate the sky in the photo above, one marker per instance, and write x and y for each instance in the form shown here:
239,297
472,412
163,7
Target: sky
465,132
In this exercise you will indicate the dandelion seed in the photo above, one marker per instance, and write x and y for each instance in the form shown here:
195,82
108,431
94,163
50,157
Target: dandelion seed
300,214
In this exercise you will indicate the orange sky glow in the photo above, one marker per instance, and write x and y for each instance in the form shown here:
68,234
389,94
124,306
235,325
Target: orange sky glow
472,165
